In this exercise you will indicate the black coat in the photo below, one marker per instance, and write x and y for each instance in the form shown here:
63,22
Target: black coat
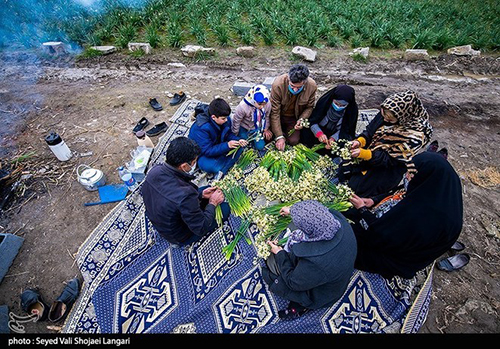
418,229
315,274
173,204
381,174
349,120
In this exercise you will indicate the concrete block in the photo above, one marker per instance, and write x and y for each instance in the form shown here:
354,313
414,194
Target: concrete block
416,55
240,88
104,49
135,46
305,53
363,51
465,50
9,247
246,51
193,50
54,47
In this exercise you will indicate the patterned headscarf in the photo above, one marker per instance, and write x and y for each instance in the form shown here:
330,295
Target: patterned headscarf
258,94
314,222
410,134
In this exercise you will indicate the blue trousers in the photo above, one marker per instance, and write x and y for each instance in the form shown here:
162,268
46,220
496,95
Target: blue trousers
244,133
226,211
221,163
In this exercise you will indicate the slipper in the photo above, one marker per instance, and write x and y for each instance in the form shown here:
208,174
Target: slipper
155,104
157,129
141,125
454,262
457,246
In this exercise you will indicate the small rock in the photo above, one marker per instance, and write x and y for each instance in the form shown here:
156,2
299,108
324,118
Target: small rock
193,50
416,55
305,53
135,46
465,50
363,51
246,51
104,49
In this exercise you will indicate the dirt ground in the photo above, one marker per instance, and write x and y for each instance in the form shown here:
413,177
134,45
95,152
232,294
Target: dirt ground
94,104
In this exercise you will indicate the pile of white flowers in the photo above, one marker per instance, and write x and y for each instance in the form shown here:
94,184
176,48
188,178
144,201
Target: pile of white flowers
292,175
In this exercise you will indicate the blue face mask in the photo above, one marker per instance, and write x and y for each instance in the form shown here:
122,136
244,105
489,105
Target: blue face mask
337,108
295,92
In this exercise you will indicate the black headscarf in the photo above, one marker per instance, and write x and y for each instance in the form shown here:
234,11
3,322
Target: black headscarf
350,119
420,228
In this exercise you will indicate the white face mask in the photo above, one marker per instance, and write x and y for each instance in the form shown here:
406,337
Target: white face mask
192,170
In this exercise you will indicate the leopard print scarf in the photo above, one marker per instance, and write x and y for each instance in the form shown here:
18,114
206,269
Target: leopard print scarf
410,134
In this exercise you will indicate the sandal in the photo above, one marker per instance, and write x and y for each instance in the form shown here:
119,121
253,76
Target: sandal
141,125
454,262
457,246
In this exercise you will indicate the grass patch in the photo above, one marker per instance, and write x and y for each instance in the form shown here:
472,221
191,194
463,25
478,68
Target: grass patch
395,24
90,52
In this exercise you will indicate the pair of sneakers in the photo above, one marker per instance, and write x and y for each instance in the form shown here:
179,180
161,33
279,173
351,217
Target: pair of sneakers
33,303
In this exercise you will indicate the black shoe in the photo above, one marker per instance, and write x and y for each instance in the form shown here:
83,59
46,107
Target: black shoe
291,313
33,304
141,125
61,306
155,104
433,147
444,153
178,98
157,129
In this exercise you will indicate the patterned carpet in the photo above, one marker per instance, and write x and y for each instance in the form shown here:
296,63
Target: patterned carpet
135,282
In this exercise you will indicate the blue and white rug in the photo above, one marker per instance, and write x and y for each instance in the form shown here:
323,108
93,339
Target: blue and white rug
136,282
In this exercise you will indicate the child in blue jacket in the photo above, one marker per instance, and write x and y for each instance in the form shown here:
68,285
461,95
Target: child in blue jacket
212,132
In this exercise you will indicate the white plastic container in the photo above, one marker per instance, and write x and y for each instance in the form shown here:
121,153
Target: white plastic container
58,147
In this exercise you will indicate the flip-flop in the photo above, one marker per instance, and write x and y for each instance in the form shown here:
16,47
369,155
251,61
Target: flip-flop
155,104
141,125
457,246
454,262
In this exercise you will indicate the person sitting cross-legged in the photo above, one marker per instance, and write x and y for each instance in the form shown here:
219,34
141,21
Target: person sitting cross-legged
212,132
181,212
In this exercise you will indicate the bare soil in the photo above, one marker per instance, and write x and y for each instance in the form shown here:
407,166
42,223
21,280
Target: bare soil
94,104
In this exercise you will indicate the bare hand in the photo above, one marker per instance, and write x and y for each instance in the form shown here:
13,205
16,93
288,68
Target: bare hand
243,142
355,144
356,201
298,125
280,144
216,198
323,139
355,152
268,134
208,192
233,144
368,202
274,246
285,211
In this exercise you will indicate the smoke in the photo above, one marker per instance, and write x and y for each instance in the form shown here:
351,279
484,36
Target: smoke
29,23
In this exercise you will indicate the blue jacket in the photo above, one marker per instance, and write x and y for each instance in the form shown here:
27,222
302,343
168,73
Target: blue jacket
212,138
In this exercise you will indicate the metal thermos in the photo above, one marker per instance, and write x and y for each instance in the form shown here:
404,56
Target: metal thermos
58,147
